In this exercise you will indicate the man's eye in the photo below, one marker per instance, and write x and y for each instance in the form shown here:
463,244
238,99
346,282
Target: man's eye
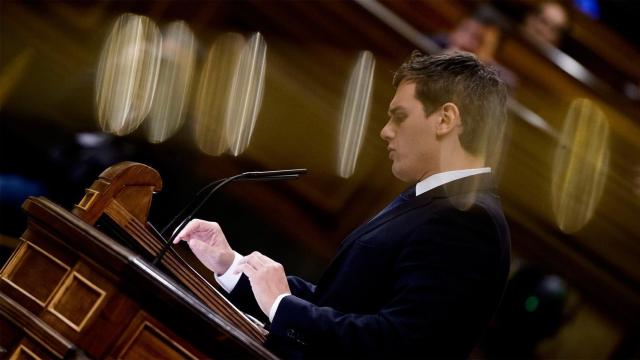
399,117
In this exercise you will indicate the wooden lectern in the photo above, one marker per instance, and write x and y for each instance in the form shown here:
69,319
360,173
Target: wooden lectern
81,284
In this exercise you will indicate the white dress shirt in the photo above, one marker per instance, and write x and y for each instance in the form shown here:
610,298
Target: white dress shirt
229,280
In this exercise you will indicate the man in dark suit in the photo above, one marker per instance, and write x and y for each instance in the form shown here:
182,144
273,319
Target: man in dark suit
425,275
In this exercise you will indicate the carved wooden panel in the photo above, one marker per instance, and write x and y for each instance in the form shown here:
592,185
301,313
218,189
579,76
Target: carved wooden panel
104,331
146,338
24,353
20,327
30,350
79,300
34,272
76,301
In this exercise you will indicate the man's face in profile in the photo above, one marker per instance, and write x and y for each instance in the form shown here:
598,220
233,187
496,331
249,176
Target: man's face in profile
411,136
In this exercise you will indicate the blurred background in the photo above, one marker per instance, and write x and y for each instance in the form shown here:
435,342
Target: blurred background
201,90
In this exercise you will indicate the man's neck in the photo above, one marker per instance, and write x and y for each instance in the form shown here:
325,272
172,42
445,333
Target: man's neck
452,168
460,161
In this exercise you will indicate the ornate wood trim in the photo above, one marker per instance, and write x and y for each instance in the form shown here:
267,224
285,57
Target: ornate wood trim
35,327
167,339
16,260
17,354
67,283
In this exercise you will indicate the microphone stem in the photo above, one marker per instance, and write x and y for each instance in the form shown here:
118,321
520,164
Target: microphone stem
186,220
257,176
189,204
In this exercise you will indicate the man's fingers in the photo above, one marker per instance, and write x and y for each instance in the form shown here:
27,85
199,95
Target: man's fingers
196,226
245,268
194,244
186,232
255,259
182,235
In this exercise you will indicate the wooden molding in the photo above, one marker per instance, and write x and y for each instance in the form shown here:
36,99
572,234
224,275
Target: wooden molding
15,263
78,327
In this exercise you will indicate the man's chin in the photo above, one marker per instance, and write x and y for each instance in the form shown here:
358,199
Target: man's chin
398,174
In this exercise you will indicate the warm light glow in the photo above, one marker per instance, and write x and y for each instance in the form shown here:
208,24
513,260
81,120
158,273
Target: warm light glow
355,113
174,80
581,165
246,94
127,73
12,72
216,80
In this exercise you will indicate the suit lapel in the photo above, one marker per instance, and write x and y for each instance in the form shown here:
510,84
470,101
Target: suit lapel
421,200
465,186
348,242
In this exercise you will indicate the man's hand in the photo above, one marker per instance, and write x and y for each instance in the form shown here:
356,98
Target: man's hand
267,278
208,243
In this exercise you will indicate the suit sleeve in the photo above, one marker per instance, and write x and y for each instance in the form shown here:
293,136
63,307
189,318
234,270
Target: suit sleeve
242,295
439,269
301,288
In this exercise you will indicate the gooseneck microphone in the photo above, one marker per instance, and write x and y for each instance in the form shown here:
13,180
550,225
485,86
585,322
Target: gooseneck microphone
206,192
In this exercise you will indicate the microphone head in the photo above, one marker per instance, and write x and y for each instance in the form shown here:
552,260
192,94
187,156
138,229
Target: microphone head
284,174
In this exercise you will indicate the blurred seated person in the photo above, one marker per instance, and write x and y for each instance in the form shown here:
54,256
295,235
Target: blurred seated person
546,23
481,34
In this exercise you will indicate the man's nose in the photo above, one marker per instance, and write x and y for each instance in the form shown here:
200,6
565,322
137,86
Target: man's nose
386,132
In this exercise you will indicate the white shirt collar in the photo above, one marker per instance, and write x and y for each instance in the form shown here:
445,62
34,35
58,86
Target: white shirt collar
442,178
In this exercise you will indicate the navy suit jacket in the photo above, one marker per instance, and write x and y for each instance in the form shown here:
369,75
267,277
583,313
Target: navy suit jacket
422,279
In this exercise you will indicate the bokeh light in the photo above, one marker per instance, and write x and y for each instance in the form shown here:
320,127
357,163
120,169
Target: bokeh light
531,303
580,166
128,73
246,94
216,79
174,81
355,113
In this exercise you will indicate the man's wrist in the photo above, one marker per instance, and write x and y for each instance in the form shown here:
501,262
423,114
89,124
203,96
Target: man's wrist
226,260
228,280
274,306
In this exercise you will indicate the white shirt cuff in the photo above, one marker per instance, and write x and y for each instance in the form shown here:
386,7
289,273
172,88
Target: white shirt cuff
274,307
228,280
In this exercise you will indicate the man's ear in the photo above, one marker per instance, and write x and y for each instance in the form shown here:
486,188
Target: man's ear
449,120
